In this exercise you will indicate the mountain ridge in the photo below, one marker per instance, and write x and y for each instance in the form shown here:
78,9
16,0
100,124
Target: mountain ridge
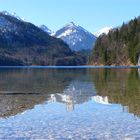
46,29
76,37
23,43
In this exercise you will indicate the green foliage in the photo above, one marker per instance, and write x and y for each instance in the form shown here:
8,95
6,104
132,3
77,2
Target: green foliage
120,46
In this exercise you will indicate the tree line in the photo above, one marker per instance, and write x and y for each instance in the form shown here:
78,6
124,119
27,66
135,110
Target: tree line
121,46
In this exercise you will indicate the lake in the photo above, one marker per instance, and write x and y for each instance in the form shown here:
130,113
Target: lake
70,104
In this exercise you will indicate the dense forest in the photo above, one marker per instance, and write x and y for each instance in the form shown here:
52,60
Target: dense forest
121,46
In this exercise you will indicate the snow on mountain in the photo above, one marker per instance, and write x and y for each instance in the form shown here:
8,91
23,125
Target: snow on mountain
76,37
6,25
13,15
104,30
46,29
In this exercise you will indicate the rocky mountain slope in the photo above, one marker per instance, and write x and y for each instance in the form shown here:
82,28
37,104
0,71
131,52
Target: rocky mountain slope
76,37
22,43
46,29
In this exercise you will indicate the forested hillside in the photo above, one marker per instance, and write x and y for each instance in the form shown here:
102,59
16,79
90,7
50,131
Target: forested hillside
22,43
121,46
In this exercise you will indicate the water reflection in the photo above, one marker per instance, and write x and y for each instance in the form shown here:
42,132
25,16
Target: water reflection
22,89
120,86
101,100
69,104
139,72
77,92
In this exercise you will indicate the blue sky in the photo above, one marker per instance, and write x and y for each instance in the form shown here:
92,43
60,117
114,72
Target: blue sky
91,14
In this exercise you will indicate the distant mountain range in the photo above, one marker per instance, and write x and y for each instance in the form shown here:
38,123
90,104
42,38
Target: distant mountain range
76,37
104,30
22,43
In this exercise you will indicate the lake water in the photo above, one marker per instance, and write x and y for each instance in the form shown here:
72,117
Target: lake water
69,104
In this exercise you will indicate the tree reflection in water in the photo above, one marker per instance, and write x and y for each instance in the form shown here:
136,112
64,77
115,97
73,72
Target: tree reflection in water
121,86
22,89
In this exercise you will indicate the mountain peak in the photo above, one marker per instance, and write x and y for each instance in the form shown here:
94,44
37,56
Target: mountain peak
71,24
104,30
5,12
13,14
76,37
46,29
37,47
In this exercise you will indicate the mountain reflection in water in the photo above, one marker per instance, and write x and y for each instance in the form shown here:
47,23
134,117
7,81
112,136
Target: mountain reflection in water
120,86
22,89
77,92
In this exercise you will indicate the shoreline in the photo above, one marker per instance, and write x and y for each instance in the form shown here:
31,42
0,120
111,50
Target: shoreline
67,67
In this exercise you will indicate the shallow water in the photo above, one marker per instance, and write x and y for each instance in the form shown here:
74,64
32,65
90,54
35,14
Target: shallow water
61,104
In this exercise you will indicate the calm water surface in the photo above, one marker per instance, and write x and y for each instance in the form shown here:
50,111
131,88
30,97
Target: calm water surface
66,104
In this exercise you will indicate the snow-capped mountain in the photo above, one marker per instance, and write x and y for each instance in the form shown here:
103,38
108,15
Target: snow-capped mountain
104,30
76,37
23,43
13,15
46,29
